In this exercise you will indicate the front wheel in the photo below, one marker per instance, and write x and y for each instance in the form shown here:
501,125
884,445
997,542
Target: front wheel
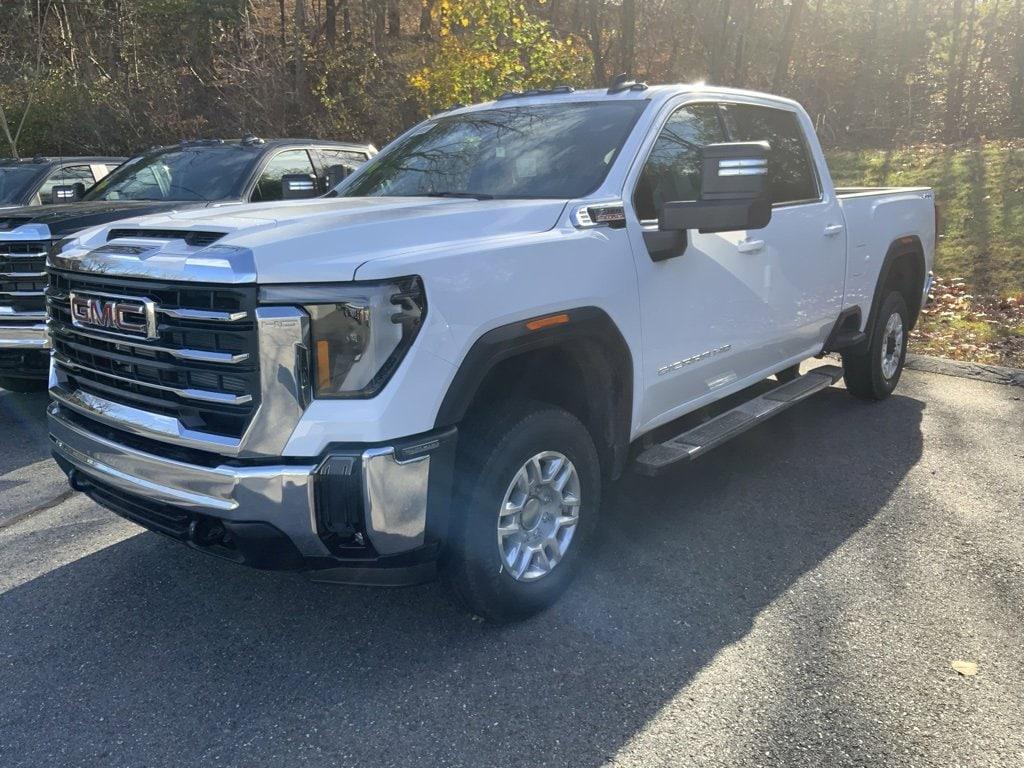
874,372
528,491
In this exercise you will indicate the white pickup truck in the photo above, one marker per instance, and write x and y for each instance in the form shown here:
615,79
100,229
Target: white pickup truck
438,368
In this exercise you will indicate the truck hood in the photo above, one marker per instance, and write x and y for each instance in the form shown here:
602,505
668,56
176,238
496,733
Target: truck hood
64,219
320,240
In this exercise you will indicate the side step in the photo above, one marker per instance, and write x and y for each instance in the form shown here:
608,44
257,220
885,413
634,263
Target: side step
700,439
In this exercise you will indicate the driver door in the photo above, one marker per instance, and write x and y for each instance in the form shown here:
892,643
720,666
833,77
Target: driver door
703,311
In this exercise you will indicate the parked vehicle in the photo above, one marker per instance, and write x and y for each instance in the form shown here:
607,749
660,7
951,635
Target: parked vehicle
193,174
44,180
444,364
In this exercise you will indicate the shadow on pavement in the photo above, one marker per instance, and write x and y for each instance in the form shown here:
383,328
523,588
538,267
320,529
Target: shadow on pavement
23,435
146,653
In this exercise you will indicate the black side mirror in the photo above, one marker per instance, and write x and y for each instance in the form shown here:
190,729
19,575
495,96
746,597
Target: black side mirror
336,174
733,192
295,186
67,193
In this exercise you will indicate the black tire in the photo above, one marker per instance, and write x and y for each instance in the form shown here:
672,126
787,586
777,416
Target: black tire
22,385
492,451
863,370
788,374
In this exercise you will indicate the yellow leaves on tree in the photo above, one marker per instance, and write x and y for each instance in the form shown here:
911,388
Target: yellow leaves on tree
488,47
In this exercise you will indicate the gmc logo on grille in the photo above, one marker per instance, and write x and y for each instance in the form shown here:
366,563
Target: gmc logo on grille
124,315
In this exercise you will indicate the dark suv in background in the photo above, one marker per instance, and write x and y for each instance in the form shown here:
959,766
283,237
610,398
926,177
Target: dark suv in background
33,182
192,174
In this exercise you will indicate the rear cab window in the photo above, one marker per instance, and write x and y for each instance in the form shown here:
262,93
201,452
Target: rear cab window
347,160
792,178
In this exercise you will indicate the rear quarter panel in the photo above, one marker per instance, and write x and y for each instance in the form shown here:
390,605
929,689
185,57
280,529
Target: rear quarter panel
875,220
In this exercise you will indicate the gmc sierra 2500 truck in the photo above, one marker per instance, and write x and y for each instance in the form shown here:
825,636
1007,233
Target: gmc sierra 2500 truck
439,367
192,174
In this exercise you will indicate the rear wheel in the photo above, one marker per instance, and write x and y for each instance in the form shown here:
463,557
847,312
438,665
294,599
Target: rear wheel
528,491
873,372
22,385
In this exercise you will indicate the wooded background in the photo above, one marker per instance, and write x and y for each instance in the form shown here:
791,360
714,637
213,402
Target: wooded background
114,76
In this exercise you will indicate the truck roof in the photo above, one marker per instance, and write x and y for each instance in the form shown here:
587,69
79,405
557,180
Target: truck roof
257,142
41,160
627,91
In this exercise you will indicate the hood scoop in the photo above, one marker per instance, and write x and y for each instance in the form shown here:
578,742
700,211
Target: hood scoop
194,238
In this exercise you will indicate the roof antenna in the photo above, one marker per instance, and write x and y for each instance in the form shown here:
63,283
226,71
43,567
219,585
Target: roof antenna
622,82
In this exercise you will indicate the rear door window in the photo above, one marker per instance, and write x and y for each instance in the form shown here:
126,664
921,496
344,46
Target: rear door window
341,155
791,176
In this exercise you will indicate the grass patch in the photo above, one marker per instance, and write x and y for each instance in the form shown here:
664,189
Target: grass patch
959,325
980,191
976,314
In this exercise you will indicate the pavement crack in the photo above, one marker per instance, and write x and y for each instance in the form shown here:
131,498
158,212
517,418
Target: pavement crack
48,504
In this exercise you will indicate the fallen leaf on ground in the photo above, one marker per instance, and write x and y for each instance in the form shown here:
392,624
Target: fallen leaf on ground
965,668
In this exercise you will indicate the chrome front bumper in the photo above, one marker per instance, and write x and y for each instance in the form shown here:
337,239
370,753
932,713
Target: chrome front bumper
28,336
394,488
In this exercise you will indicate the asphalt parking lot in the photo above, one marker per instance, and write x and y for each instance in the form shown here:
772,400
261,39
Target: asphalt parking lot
793,599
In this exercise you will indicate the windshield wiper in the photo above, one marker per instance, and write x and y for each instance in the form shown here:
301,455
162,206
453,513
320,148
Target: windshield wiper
471,195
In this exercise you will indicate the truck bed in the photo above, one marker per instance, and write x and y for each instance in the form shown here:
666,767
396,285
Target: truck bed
877,217
868,191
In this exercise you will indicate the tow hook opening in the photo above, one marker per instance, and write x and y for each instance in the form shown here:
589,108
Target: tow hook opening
78,482
206,532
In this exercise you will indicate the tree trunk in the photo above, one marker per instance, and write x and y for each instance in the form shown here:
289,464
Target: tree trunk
594,14
628,36
1017,91
786,45
718,49
743,45
907,60
952,73
330,21
380,26
284,25
966,47
299,52
394,19
980,70
426,11
11,143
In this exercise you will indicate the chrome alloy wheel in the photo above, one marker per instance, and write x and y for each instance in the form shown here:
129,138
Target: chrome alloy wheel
538,516
892,345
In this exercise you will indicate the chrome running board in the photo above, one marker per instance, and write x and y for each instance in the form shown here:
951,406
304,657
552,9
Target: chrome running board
714,432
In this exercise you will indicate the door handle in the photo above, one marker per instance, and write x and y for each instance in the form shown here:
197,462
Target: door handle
750,246
833,229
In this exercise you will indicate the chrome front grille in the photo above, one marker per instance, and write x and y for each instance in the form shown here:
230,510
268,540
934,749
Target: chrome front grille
22,281
202,369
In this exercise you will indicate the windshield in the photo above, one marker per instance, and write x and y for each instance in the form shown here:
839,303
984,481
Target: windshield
15,181
554,150
185,173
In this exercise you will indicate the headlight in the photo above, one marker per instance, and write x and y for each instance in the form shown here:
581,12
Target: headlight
360,331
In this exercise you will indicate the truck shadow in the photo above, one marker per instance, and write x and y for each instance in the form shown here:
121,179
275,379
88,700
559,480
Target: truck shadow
144,653
22,429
